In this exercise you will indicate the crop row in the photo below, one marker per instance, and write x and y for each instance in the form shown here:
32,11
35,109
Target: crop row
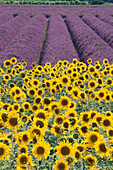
28,44
106,18
104,30
58,44
6,16
11,28
88,43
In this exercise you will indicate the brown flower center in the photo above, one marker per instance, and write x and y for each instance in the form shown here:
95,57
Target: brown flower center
40,150
13,121
23,160
64,102
65,150
1,151
102,147
61,166
39,122
106,122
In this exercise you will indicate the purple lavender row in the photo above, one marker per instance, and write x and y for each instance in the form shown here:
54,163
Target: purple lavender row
28,44
58,42
6,16
11,28
88,43
106,18
104,30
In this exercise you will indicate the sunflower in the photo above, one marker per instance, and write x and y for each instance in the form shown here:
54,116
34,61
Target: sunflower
100,82
71,113
40,122
75,75
109,81
53,91
91,160
26,106
72,106
69,88
57,110
65,80
7,63
6,106
92,84
46,101
92,113
98,67
6,77
24,137
1,71
99,117
64,149
85,117
64,102
83,130
35,83
111,72
41,113
60,165
92,96
56,130
11,85
40,92
108,98
23,160
13,121
75,61
34,107
66,124
101,94
53,105
92,138
4,151
3,117
73,123
31,92
23,148
82,95
104,73
17,91
101,148
105,61
91,69
110,132
106,122
37,100
41,149
16,107
24,87
58,120
37,132
75,93
13,60
89,60
81,147
65,63
25,119
69,71
109,113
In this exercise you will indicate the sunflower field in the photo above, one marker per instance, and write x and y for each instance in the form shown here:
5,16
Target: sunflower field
56,118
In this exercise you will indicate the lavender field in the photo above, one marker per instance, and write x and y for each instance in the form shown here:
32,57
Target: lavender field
51,33
56,104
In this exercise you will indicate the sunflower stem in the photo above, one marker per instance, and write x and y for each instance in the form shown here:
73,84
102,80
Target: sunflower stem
82,163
